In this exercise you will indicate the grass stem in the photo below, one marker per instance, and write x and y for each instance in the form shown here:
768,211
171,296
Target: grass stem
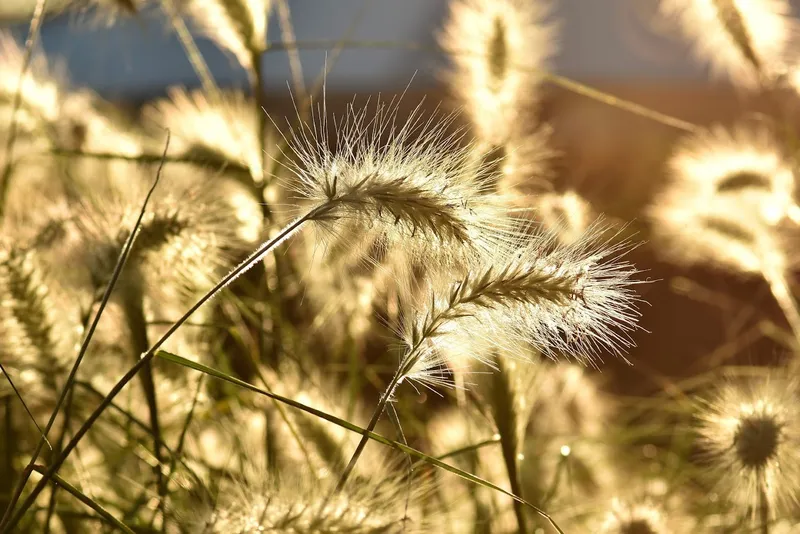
779,286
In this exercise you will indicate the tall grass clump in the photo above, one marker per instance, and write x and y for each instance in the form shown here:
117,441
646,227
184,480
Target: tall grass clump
212,301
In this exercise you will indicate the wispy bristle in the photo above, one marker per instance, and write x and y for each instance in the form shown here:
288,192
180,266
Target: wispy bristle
573,301
409,183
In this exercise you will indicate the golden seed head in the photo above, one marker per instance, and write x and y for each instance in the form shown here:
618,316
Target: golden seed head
751,438
496,47
750,42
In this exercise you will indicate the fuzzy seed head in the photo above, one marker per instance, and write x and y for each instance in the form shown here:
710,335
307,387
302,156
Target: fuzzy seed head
36,329
574,301
495,47
751,437
402,186
223,131
748,41
299,504
745,163
730,195
187,236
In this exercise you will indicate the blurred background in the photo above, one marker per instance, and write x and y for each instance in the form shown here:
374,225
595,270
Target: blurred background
618,41
609,155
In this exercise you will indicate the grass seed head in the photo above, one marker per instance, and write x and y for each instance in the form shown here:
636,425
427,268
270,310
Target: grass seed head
299,503
732,194
745,163
408,185
222,131
749,41
495,47
41,92
188,234
750,436
38,327
574,301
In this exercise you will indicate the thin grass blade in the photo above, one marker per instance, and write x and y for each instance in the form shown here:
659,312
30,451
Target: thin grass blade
174,358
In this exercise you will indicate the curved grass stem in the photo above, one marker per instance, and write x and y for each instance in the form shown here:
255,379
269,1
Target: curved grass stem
763,508
373,422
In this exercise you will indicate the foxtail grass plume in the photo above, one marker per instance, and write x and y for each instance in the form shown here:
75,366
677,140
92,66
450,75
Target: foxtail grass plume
728,206
752,42
188,234
36,332
728,195
221,131
496,47
574,301
751,437
744,162
300,503
238,26
406,184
